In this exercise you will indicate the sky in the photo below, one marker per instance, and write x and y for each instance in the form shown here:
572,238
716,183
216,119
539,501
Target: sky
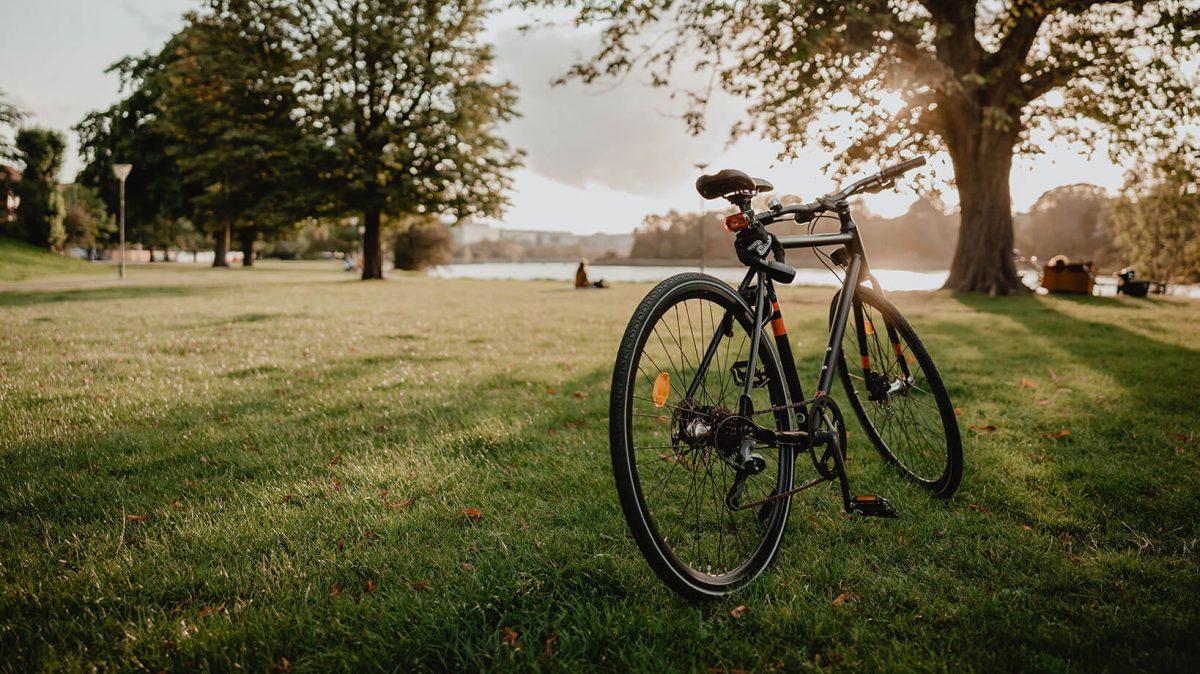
599,159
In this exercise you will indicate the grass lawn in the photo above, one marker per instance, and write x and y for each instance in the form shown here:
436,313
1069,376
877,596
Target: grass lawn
21,262
270,469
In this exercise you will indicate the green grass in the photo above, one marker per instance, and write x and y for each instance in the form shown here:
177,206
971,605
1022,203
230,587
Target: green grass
209,469
22,262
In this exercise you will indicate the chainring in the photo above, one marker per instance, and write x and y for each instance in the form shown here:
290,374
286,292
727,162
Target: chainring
824,415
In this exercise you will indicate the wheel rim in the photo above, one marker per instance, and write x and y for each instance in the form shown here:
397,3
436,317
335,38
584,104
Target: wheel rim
683,475
904,412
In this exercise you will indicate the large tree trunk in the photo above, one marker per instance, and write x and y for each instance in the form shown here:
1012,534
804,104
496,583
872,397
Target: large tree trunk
221,248
372,262
248,237
983,256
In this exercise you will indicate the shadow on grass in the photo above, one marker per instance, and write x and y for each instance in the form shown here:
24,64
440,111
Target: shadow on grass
23,298
1159,374
1123,464
294,482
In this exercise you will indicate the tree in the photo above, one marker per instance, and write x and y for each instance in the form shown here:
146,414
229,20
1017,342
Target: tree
132,131
40,216
981,80
1156,222
1067,221
400,92
85,220
10,119
229,100
421,243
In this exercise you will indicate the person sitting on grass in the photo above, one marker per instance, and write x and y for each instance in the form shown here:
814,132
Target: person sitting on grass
581,277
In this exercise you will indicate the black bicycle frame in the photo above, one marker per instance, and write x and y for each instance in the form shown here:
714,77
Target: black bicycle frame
757,279
857,270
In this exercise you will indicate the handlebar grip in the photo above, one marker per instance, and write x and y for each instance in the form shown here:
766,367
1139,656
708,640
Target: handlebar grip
901,168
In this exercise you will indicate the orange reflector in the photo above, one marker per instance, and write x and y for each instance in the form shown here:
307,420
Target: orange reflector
870,329
662,389
736,222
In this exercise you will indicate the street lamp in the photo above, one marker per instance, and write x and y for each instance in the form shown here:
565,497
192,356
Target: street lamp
121,171
703,231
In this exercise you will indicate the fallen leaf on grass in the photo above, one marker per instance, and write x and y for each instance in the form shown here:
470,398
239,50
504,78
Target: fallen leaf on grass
1026,527
337,458
371,586
550,390
738,612
135,518
582,395
401,505
335,591
1026,383
509,636
472,514
287,498
1044,401
284,665
979,509
1057,436
845,598
420,585
982,427
467,566
958,411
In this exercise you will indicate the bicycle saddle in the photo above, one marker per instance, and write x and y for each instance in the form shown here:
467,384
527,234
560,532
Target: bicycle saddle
730,181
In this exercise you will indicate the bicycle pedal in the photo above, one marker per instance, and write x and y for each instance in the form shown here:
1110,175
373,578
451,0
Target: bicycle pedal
872,506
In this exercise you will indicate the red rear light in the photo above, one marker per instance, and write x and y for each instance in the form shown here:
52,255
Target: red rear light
736,222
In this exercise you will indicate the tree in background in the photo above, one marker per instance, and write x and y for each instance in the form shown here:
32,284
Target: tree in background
86,222
10,119
1067,221
400,91
675,235
981,80
229,101
132,131
421,243
1156,222
40,217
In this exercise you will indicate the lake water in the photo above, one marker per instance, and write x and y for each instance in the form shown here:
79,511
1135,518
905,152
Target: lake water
892,279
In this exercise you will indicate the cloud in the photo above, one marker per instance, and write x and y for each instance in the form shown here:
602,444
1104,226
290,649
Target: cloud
626,136
155,26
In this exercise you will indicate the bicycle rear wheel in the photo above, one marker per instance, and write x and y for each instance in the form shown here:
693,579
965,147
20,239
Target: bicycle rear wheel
898,396
672,466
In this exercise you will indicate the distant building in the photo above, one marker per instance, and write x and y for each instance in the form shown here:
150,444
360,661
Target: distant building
9,201
474,240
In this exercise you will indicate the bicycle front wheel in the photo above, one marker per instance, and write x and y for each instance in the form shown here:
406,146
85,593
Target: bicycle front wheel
675,475
898,395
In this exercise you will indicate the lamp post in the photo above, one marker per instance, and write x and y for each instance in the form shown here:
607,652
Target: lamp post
703,231
121,171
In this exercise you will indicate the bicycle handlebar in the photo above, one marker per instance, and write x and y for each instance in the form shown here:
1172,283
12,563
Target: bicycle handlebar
806,212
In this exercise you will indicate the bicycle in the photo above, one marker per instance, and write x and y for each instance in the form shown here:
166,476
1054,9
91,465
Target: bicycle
707,416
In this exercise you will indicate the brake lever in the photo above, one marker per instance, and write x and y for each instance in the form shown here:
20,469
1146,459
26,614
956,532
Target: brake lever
881,186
